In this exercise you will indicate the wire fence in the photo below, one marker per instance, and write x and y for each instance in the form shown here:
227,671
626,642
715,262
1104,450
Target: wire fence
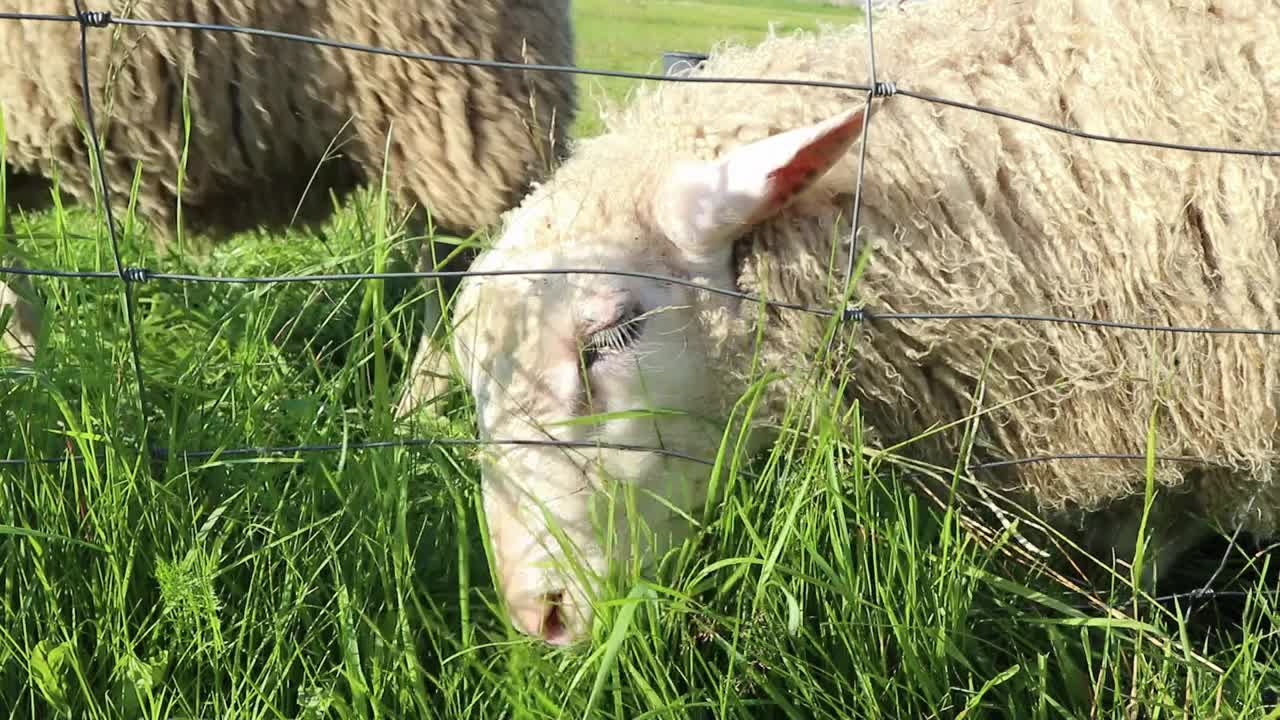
129,276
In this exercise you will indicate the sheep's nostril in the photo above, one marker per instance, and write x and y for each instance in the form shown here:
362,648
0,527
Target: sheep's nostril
553,628
552,617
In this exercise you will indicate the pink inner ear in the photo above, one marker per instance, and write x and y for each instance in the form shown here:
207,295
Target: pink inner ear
812,159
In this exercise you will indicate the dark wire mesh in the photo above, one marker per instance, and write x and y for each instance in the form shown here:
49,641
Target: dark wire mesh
875,88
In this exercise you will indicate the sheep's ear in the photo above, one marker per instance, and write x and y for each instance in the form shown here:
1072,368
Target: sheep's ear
703,207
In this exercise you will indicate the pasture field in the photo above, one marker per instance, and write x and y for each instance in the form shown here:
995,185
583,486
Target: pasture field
632,36
353,583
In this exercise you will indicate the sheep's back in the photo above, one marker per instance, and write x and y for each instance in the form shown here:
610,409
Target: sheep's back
272,121
968,212
257,116
990,215
464,140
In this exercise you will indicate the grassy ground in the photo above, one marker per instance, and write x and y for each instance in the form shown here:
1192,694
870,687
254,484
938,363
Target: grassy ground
632,36
352,584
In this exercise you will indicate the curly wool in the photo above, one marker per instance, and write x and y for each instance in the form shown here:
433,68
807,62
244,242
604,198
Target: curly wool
966,212
465,142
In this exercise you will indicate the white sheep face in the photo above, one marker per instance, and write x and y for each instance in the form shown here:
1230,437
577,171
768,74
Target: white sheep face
589,358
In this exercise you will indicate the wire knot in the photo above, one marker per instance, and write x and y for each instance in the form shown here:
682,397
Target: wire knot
1202,594
136,274
884,88
852,314
95,18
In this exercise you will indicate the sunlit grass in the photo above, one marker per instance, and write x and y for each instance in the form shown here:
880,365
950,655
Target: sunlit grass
354,583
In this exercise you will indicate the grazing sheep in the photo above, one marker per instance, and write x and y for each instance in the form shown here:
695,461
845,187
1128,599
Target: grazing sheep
274,121
748,187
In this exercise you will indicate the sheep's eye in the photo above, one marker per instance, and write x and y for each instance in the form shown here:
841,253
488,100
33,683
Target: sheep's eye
613,339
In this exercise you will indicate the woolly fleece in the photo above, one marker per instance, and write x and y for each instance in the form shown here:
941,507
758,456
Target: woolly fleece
465,143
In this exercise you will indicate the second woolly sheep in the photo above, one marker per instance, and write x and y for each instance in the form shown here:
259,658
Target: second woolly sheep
275,125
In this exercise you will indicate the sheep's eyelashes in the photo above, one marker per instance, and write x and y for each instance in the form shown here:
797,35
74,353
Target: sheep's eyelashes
612,339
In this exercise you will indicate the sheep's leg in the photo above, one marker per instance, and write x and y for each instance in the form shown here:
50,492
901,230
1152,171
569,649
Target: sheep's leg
428,375
1172,528
31,193
23,323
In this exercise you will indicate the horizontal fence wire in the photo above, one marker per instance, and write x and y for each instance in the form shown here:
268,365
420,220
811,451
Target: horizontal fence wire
135,274
129,276
875,88
163,454
878,89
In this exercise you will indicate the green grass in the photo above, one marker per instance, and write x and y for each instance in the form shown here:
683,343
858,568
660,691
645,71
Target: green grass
354,583
631,35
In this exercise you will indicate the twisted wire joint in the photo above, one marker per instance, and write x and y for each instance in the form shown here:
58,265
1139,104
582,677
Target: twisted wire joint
885,88
95,18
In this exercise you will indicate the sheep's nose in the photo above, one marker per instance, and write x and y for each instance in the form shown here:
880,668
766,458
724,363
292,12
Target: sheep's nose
550,616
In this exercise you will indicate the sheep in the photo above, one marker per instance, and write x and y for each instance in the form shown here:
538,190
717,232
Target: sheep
274,121
750,188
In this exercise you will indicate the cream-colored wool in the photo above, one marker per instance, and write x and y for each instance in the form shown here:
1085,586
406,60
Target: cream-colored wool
964,212
465,141
971,213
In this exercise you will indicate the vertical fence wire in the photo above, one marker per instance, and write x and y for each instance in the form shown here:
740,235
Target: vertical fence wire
97,20
862,156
